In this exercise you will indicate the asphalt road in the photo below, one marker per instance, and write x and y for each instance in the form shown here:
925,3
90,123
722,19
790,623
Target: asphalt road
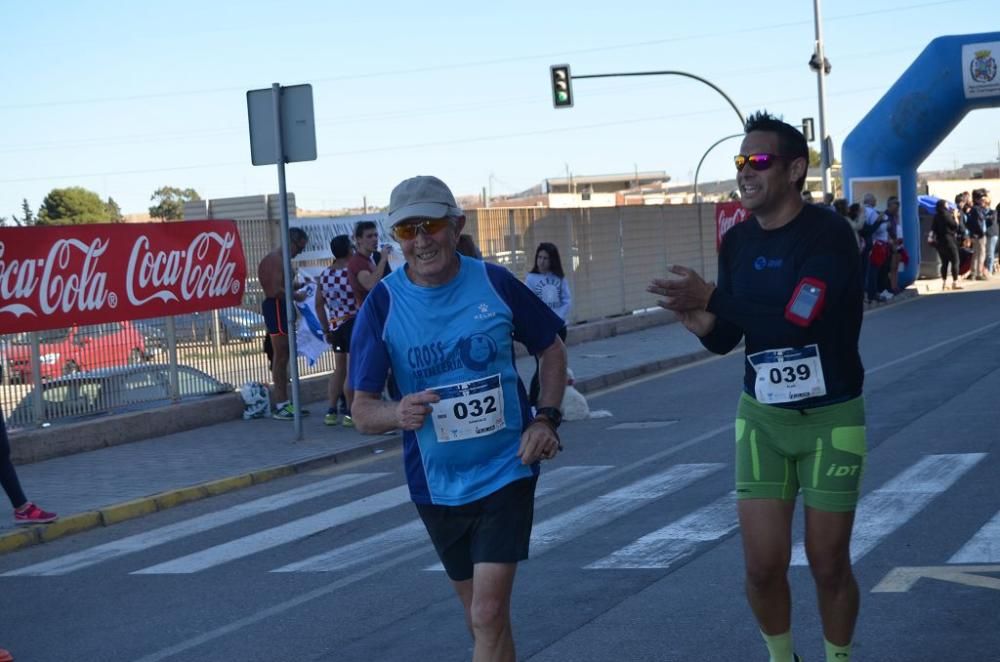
636,555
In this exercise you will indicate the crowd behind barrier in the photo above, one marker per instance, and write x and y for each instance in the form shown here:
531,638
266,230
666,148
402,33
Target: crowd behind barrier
121,365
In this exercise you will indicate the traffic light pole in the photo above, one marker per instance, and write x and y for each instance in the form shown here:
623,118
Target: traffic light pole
670,73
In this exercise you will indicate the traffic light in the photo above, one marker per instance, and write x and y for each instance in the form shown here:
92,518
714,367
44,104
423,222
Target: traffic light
562,86
807,129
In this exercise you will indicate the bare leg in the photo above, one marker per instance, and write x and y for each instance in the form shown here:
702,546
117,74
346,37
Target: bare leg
279,368
337,379
464,591
766,529
490,612
828,542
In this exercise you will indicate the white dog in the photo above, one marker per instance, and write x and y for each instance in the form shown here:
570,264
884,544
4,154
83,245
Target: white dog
574,405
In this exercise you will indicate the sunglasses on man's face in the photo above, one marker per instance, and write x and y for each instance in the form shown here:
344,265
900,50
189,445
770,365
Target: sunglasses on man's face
407,231
757,162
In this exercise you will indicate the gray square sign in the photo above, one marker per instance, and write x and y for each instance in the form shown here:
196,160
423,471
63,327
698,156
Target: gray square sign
298,128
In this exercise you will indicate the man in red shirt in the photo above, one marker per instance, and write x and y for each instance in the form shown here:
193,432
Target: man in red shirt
365,271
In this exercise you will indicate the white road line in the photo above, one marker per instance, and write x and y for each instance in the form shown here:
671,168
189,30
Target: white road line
606,508
886,509
984,547
412,533
676,541
164,534
279,535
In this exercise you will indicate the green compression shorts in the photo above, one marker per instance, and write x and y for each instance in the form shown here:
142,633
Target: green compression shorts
820,450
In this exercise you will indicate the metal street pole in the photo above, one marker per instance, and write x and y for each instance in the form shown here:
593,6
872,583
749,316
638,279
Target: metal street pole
824,163
286,259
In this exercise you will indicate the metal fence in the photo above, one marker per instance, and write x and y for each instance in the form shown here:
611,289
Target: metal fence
609,255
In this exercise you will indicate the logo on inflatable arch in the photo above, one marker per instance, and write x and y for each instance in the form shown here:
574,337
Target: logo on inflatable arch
983,67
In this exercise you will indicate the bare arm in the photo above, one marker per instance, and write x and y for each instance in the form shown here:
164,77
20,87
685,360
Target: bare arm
372,415
369,279
539,440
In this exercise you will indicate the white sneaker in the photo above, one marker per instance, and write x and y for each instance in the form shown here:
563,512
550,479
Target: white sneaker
885,295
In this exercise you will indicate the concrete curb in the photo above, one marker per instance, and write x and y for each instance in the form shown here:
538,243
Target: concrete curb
38,444
120,512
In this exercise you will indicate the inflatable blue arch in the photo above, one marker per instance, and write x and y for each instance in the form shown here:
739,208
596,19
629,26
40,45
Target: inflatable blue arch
953,75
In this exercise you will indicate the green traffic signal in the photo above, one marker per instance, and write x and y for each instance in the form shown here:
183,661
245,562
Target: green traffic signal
562,91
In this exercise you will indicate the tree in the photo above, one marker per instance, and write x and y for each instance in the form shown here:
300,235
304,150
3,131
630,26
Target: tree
814,158
114,211
27,217
170,202
72,206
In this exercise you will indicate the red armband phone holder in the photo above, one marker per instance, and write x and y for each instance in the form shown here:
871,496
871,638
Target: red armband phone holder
807,302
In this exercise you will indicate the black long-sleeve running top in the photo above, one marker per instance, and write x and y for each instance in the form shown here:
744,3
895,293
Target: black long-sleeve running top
759,271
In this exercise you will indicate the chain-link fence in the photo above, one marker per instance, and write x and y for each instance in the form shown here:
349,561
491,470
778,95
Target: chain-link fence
609,256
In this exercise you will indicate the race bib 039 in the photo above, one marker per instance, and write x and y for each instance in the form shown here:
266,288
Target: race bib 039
788,375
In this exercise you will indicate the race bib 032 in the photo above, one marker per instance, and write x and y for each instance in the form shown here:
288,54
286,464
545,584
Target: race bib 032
468,410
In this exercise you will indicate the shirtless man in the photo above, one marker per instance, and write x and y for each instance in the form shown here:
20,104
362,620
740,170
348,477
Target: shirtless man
271,274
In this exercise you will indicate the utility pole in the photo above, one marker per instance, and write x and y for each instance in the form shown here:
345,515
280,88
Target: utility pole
822,67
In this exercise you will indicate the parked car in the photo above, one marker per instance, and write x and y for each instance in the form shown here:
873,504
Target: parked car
235,325
112,390
67,351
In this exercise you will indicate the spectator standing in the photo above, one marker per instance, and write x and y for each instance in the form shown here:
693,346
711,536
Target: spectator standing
894,226
975,222
467,246
336,308
873,232
446,324
946,232
366,271
25,512
992,235
271,274
548,281
856,220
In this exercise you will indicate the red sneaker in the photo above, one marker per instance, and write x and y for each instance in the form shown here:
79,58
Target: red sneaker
5,656
32,514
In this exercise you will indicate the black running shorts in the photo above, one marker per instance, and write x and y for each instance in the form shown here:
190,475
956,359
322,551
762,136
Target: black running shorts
493,529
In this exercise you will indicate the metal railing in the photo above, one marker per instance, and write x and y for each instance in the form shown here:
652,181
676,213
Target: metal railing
608,255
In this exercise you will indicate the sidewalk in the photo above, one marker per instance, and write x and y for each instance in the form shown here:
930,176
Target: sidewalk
109,485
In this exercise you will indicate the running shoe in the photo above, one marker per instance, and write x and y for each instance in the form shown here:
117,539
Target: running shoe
347,421
330,419
32,514
287,413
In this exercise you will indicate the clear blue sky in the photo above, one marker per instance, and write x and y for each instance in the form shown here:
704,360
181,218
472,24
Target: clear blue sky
124,97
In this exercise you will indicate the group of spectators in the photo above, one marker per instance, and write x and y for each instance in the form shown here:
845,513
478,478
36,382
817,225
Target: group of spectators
880,243
970,226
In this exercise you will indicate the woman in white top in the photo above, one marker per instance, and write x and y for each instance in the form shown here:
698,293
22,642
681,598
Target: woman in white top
547,280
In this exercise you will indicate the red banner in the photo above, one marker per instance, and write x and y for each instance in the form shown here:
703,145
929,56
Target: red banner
53,277
727,214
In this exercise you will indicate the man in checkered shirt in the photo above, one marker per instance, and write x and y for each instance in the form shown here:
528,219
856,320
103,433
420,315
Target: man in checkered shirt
336,307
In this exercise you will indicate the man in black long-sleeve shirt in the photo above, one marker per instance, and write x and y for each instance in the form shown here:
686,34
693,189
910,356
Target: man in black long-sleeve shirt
789,283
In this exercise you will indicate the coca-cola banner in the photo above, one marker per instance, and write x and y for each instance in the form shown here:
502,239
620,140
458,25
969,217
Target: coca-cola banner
727,214
56,276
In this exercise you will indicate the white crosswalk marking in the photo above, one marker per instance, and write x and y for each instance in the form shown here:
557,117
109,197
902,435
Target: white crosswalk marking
889,507
93,555
676,541
598,512
279,535
984,547
402,537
